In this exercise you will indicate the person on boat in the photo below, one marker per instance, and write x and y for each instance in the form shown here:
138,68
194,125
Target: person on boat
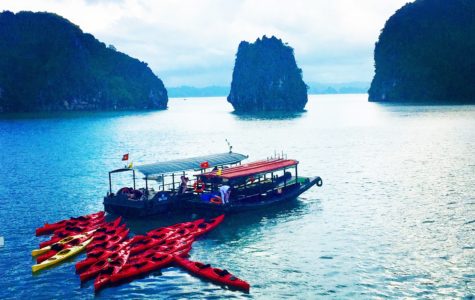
184,184
225,191
137,194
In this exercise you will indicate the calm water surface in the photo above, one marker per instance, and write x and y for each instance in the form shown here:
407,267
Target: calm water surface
395,217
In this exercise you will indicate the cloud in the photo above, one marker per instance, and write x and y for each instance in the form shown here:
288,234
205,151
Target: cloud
194,42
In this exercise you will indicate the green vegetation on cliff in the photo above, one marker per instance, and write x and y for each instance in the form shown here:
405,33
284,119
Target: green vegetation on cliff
425,53
48,64
266,78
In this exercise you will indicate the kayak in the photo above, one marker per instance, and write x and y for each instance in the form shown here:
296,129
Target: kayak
142,245
104,236
168,247
60,256
104,228
146,243
113,240
110,226
216,275
175,245
144,266
116,258
99,254
181,253
159,235
160,231
107,236
176,228
180,234
65,240
84,264
186,225
208,225
80,228
115,247
114,267
49,228
55,248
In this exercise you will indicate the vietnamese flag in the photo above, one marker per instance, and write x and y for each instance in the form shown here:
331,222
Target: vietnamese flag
125,156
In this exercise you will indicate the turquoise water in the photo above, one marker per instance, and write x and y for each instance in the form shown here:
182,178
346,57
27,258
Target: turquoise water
395,217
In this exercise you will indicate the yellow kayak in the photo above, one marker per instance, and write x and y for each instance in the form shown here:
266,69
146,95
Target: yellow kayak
66,240
60,256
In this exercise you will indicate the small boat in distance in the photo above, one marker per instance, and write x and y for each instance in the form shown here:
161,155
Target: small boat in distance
220,183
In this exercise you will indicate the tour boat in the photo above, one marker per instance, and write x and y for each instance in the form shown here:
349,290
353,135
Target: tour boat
244,186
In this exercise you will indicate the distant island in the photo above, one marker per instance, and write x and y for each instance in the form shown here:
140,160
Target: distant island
191,91
425,53
48,64
266,78
356,87
313,88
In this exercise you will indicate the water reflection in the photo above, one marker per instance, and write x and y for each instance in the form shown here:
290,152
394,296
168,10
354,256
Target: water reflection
64,115
236,221
271,115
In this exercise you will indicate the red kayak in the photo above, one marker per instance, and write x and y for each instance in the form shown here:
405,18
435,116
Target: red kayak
159,231
182,253
177,228
110,226
100,254
175,245
146,243
83,265
105,228
107,236
208,225
83,227
166,247
113,240
159,235
216,275
119,256
114,267
115,247
186,225
180,234
144,266
49,228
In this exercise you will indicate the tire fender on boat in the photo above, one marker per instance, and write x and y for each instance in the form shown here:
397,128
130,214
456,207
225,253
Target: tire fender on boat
319,181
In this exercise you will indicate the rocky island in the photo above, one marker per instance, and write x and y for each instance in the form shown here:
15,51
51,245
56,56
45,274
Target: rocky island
266,78
425,53
48,64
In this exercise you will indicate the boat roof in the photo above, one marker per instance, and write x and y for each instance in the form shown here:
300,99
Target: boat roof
253,168
192,163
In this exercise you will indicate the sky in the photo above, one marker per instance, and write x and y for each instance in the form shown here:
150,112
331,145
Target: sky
194,42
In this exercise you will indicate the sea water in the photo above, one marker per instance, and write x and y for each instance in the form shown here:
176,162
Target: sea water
395,216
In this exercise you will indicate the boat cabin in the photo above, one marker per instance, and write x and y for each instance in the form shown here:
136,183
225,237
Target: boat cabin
249,182
162,183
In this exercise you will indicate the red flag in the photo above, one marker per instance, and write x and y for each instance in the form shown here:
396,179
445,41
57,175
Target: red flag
125,156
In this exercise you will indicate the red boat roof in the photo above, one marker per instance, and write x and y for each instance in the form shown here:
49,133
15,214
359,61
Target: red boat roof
252,168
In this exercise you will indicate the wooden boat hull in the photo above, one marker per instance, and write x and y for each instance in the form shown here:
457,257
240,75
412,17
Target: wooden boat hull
194,204
290,193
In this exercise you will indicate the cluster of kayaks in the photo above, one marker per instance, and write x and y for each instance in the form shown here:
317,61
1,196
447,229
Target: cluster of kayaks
113,258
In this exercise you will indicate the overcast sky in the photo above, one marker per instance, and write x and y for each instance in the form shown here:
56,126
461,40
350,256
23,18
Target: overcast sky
194,42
